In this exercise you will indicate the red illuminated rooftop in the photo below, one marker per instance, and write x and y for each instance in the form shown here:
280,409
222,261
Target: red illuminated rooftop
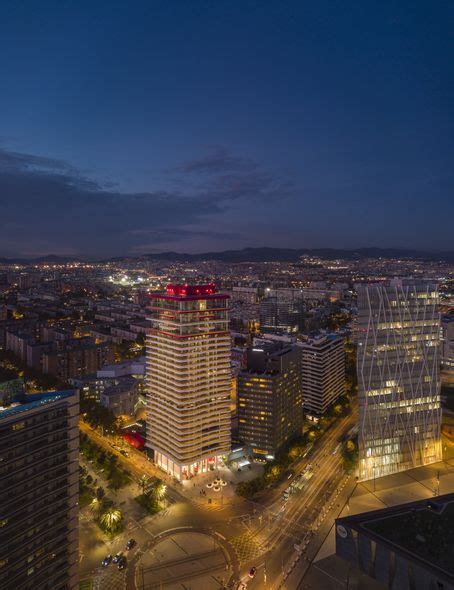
191,290
189,293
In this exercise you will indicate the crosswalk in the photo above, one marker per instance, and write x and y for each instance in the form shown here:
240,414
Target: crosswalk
108,579
213,507
246,546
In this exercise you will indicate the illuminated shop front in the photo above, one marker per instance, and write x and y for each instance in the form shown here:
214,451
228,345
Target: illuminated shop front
184,472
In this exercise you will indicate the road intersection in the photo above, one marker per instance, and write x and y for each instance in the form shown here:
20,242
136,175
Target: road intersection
262,534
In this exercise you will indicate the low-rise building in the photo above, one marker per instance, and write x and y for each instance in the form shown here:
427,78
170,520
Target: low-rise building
122,397
80,356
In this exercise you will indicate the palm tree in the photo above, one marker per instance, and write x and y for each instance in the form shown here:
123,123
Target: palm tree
144,482
158,490
95,506
111,519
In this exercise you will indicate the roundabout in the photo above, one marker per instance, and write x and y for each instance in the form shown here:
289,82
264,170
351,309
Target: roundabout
201,558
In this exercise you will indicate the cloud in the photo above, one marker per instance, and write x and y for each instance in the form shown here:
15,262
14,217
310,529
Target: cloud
178,237
48,205
218,160
227,177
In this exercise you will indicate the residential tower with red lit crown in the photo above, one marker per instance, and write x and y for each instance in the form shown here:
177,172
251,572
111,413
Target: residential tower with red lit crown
188,376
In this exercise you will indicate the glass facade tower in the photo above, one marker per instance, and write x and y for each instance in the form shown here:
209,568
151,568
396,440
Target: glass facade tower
398,377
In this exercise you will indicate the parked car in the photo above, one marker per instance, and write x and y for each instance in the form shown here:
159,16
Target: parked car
130,544
122,563
252,572
106,561
117,557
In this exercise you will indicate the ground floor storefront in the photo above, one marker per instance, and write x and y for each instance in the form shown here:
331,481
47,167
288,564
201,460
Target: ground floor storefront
184,472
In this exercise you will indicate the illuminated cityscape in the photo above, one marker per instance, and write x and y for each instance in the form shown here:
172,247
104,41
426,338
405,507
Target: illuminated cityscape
226,295
198,412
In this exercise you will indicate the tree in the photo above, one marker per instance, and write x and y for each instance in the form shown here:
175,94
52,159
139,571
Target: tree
159,489
350,446
144,482
100,493
338,409
111,519
95,506
119,423
89,480
295,452
350,455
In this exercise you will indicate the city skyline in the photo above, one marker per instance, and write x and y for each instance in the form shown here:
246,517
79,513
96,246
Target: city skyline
226,295
208,127
220,445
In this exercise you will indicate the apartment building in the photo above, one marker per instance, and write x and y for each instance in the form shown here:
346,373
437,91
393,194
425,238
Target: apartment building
189,379
39,486
323,373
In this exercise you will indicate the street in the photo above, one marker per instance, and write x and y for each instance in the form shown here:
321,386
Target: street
263,534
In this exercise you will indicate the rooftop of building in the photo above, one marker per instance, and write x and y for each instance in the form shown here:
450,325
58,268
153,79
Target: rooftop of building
321,340
397,282
28,401
422,531
124,384
260,358
189,292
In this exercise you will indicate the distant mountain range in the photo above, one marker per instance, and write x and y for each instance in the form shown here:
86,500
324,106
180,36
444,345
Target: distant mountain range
51,258
261,255
294,254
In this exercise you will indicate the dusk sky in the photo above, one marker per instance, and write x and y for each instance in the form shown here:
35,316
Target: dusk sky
136,127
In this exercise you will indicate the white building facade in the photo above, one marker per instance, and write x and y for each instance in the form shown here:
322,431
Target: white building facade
188,379
323,373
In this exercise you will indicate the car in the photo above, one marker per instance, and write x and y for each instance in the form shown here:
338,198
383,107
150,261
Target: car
106,561
252,572
130,544
117,557
290,475
124,453
122,563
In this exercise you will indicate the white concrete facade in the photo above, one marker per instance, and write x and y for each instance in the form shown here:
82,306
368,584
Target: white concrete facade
188,380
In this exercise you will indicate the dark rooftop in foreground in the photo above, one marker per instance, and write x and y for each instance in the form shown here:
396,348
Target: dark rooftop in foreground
422,531
26,401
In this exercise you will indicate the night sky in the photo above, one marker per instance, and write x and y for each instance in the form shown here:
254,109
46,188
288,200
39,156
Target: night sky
135,127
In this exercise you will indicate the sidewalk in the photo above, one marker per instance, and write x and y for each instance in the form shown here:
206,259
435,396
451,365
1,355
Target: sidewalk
196,489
